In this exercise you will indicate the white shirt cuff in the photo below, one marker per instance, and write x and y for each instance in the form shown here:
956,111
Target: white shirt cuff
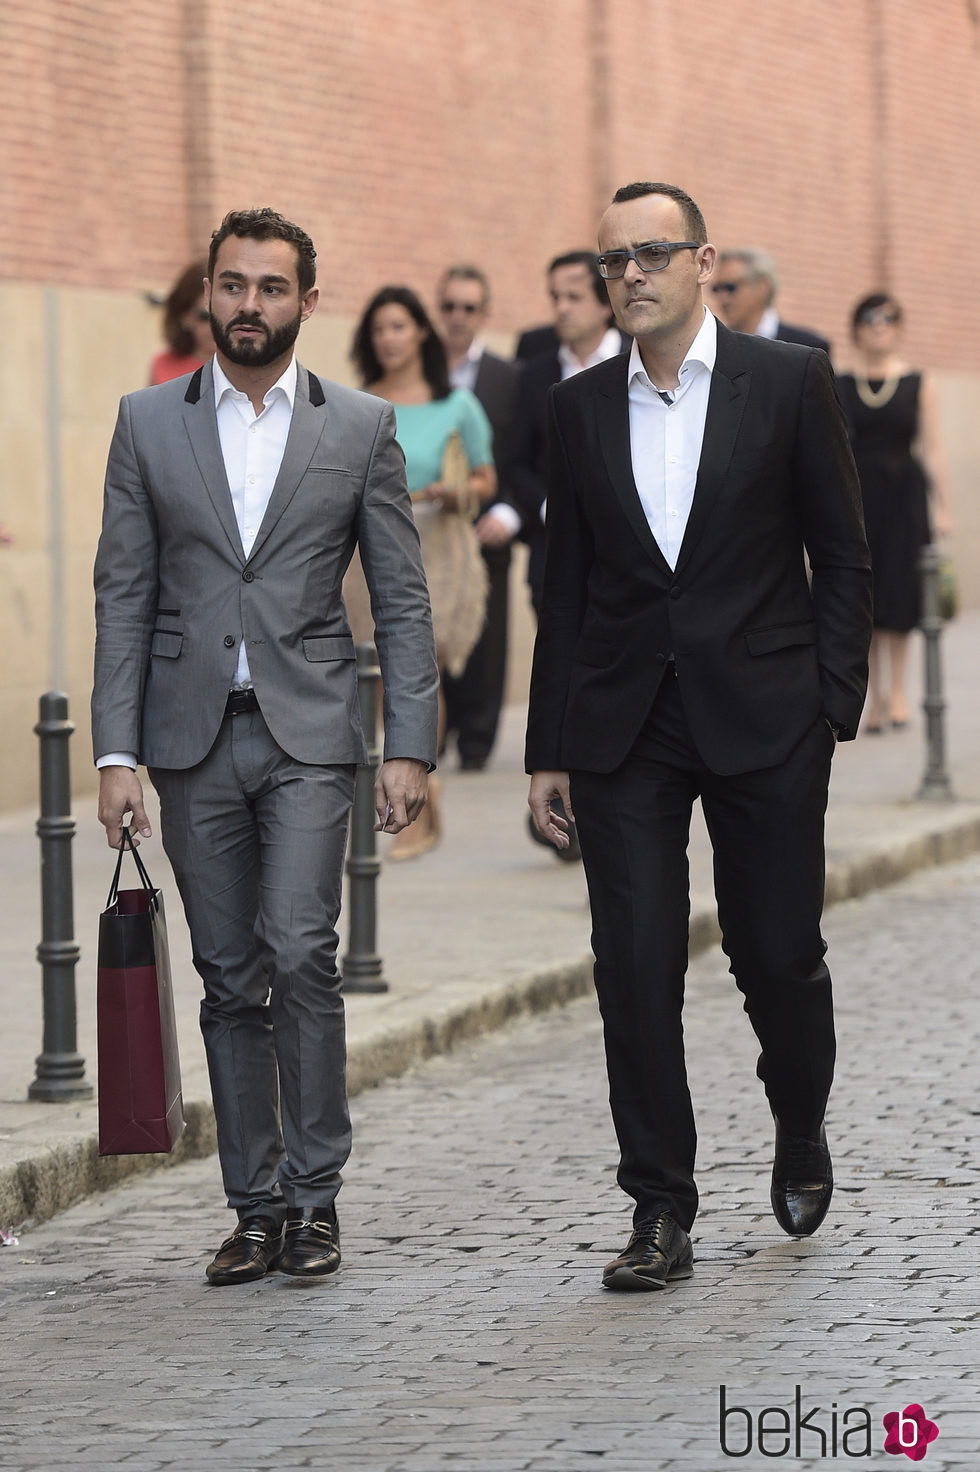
506,514
118,759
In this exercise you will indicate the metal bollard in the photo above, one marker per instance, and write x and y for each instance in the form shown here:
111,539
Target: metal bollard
361,967
60,1070
936,785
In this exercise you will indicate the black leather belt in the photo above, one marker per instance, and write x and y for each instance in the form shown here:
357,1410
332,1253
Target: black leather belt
241,702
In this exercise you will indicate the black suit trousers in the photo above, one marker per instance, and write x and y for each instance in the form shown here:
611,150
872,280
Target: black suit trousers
766,829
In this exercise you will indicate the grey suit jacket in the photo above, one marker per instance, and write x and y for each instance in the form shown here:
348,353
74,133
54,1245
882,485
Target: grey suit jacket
175,593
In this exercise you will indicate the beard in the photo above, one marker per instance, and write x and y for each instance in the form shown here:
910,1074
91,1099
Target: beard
254,352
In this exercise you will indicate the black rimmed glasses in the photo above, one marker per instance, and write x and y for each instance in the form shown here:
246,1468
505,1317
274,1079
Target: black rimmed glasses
879,315
468,307
653,257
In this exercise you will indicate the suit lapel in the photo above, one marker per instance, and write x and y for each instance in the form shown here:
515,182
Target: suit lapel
727,397
612,413
305,429
202,431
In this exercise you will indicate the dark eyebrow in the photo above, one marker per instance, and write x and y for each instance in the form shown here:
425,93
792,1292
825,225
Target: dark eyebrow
229,275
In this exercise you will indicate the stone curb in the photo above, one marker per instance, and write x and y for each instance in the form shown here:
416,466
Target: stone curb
33,1190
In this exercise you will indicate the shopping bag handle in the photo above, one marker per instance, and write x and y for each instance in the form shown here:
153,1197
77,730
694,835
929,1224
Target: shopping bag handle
127,842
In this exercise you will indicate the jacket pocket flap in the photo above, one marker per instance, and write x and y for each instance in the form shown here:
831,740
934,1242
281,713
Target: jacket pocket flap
784,636
166,644
595,652
340,646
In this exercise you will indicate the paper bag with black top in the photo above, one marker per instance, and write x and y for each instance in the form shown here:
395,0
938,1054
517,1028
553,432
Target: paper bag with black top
140,1106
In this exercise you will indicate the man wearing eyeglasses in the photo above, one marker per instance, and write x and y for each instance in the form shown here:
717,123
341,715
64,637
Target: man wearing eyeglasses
743,294
681,654
474,698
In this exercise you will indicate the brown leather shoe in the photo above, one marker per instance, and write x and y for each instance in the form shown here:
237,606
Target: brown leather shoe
250,1252
659,1252
802,1182
312,1242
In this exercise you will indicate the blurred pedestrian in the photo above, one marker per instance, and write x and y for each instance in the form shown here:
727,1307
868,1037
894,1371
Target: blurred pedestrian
681,654
586,335
400,357
186,327
743,293
894,423
224,662
475,696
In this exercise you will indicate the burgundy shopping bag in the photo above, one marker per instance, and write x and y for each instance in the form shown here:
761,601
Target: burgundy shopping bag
140,1106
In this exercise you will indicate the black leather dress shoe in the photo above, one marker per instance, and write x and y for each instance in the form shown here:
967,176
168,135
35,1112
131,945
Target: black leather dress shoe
312,1244
802,1182
250,1252
659,1252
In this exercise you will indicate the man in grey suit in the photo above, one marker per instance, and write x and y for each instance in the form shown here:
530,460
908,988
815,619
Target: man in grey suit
224,661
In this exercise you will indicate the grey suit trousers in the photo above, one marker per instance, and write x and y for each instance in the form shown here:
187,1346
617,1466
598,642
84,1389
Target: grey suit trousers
257,843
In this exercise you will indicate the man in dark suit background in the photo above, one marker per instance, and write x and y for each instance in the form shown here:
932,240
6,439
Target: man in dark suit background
474,698
743,293
586,335
680,654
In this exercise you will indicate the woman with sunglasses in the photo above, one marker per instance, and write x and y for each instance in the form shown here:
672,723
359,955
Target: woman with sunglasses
893,420
401,358
186,327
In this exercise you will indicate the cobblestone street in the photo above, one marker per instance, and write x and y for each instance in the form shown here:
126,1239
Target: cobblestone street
467,1329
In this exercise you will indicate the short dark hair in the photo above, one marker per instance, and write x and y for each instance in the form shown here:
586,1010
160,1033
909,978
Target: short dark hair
267,224
873,303
186,290
584,258
463,271
435,365
693,218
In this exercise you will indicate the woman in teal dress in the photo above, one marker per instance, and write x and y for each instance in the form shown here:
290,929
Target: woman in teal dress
401,358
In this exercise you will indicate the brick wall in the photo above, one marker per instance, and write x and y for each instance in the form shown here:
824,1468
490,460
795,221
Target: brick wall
843,135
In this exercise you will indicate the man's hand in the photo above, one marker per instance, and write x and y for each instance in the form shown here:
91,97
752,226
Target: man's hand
545,787
120,792
400,793
491,531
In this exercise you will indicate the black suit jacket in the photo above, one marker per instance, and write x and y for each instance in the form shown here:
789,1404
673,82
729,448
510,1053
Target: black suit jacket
801,335
758,654
496,382
524,466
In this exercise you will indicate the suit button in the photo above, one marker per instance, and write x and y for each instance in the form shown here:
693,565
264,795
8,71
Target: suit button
248,577
675,591
229,641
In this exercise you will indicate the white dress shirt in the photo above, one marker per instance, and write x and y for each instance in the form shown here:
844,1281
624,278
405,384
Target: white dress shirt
665,439
464,374
768,323
252,448
610,346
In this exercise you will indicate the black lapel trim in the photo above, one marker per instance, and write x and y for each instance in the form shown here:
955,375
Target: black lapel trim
193,393
317,397
613,425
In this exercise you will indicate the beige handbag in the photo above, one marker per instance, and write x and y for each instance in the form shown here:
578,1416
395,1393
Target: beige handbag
454,565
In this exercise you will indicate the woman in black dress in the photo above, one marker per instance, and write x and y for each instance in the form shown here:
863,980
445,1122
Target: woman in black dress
893,421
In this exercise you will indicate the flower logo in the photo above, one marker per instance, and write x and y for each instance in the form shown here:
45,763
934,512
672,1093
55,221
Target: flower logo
909,1431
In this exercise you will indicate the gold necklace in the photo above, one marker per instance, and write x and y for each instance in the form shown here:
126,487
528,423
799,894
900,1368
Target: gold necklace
876,398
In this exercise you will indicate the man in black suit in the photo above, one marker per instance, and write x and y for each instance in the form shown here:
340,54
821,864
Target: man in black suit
585,336
743,293
474,698
680,654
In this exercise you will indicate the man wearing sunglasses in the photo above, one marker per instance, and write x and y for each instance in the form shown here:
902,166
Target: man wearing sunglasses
743,294
681,654
474,698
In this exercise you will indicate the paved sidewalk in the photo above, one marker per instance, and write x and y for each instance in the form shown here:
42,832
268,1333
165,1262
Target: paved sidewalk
467,1329
486,926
